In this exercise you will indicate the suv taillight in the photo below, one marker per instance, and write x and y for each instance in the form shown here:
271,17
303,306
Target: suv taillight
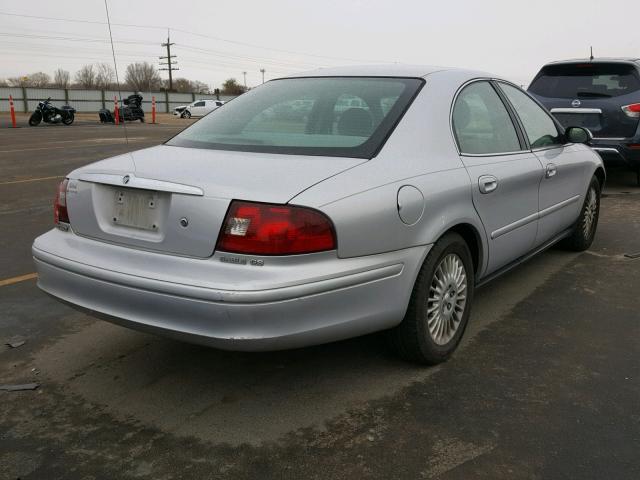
632,110
264,229
60,214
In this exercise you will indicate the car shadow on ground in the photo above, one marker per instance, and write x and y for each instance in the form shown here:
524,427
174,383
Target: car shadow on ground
238,397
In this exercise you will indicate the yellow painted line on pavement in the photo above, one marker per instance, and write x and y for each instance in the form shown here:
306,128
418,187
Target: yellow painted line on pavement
31,180
21,278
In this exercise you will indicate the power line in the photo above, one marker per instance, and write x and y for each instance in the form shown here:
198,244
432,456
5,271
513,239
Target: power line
187,32
73,39
230,60
206,66
86,54
93,22
249,58
291,52
191,60
205,51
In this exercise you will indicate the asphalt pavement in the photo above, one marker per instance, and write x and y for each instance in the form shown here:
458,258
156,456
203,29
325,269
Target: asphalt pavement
546,384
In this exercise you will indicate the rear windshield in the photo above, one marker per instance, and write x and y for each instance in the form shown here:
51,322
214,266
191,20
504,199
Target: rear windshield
586,80
332,116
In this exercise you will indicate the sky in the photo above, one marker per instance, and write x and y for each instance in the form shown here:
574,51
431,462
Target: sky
217,40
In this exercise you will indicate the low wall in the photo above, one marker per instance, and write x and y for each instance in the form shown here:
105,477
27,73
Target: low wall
25,99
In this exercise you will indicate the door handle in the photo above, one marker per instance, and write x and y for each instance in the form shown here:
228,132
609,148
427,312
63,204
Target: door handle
487,183
551,170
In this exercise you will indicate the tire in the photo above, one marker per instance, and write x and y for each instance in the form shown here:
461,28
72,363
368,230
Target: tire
68,120
35,119
431,329
584,230
186,114
141,119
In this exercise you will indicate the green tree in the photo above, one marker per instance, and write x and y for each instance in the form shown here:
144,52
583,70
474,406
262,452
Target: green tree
232,87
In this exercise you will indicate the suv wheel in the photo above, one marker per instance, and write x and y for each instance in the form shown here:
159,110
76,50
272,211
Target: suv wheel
440,304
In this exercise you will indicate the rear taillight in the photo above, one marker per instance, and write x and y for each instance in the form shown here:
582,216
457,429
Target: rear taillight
632,110
263,229
60,214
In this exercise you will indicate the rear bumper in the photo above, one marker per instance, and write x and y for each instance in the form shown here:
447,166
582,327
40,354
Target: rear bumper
330,298
617,152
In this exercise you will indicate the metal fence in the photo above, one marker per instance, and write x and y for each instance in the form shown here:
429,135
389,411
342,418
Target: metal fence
25,99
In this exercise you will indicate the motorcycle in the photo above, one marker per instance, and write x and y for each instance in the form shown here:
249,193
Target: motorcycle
131,110
47,113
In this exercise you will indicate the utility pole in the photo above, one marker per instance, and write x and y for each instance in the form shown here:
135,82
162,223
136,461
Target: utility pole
262,72
170,62
245,79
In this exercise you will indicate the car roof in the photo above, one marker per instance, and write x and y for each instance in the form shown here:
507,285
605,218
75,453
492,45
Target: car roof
626,60
387,70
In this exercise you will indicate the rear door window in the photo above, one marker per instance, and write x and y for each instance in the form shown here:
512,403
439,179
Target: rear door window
481,122
586,80
540,128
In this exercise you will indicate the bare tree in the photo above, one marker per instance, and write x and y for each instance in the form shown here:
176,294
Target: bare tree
38,79
181,85
200,87
17,81
184,85
86,77
105,75
143,76
61,78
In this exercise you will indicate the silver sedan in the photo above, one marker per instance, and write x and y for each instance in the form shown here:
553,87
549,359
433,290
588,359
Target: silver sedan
325,206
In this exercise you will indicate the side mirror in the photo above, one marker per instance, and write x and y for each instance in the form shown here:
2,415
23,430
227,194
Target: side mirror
578,135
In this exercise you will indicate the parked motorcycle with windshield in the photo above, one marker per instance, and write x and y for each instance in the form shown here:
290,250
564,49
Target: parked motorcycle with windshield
47,113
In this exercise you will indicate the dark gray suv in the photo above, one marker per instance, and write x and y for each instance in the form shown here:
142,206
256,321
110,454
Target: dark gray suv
602,95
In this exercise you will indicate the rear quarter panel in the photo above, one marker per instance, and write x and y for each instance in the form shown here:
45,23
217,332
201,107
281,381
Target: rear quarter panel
362,201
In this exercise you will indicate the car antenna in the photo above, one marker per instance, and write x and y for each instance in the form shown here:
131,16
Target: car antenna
590,56
115,66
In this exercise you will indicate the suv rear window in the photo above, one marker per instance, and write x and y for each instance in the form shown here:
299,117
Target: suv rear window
586,80
332,116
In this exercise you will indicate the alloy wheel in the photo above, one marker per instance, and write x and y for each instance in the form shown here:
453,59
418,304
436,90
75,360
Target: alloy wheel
447,299
590,212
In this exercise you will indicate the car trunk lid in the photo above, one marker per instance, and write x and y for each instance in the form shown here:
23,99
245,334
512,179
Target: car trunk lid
605,119
174,199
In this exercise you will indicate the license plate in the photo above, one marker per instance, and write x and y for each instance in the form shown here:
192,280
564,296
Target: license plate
587,120
136,209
